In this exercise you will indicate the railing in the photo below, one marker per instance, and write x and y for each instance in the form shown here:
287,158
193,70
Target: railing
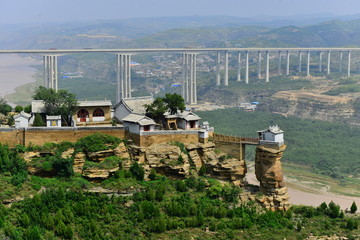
234,139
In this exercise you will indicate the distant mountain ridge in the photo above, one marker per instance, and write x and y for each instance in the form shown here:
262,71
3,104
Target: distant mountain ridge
204,31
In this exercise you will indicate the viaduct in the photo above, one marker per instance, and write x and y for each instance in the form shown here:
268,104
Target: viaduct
189,92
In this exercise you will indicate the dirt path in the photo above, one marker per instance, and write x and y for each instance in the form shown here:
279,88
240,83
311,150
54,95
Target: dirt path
15,71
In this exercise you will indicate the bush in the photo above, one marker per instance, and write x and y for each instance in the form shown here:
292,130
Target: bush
137,171
63,167
19,109
97,142
38,121
353,207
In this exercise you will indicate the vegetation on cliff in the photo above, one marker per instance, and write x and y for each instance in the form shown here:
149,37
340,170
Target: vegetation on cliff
63,207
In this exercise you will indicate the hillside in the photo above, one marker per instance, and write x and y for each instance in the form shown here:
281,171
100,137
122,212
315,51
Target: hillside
46,200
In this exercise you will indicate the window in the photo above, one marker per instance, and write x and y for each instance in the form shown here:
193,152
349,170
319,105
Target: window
82,113
98,113
147,128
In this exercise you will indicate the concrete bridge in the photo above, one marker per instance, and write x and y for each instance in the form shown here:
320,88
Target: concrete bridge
189,91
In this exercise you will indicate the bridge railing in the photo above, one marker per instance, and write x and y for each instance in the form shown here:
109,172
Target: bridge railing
234,139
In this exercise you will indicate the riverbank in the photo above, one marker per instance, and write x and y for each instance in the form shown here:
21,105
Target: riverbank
16,71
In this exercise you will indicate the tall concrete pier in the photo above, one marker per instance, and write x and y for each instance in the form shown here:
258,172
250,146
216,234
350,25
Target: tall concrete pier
247,67
328,62
320,61
259,64
50,71
279,63
349,63
300,58
226,72
218,60
308,64
239,67
123,76
287,63
189,81
267,67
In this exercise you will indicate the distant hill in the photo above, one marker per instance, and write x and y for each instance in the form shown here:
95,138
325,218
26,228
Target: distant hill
184,31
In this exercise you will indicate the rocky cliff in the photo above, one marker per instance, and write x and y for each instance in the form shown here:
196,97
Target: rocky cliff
268,172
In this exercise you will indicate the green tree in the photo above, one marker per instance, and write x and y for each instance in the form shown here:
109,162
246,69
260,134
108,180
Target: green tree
5,108
174,102
57,103
353,207
19,109
27,109
10,120
156,109
38,121
171,102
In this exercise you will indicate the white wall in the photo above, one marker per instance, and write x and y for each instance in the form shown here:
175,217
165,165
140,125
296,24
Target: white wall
98,119
21,122
121,112
133,127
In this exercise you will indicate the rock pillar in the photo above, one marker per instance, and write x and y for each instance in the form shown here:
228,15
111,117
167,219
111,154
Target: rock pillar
268,172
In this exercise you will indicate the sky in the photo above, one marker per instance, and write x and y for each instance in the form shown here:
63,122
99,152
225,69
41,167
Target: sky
42,11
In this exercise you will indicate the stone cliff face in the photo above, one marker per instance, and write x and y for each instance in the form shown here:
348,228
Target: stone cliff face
308,108
268,172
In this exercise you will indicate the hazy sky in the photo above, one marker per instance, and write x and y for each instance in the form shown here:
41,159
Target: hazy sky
19,11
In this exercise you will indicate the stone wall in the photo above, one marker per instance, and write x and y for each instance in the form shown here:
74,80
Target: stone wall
149,138
41,135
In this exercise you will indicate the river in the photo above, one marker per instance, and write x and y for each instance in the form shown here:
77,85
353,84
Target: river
15,71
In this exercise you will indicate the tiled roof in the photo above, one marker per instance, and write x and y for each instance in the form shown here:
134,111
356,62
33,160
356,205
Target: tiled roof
97,103
140,119
136,105
22,114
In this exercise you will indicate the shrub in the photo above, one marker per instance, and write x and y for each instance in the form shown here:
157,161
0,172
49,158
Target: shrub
63,167
97,142
38,121
137,171
353,207
19,109
152,175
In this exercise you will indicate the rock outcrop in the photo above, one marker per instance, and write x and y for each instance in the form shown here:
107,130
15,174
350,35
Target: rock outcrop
167,159
268,172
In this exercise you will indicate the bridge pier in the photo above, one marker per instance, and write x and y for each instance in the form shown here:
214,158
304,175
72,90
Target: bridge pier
320,61
267,66
50,72
218,60
247,67
340,61
287,62
123,76
279,62
328,62
259,64
239,67
308,64
349,63
300,57
189,81
226,73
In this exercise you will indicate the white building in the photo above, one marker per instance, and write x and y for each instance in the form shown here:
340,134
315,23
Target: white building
131,105
188,120
22,120
272,135
53,121
137,123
